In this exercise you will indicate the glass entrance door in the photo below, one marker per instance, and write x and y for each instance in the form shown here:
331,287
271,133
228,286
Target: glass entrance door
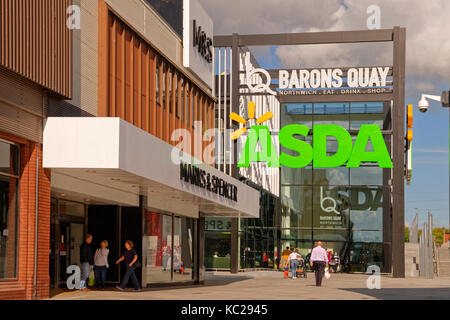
70,239
67,234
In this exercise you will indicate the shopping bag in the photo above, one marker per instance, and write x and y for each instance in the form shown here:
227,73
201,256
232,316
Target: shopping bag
91,279
327,273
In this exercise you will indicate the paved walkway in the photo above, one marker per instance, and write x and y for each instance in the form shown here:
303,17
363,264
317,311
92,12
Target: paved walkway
268,285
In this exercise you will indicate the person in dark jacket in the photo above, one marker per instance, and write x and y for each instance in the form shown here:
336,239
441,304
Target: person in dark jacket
87,260
130,256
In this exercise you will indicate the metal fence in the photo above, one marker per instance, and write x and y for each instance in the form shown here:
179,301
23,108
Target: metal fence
426,250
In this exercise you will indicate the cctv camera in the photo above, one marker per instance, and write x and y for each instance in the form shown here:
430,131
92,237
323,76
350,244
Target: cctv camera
423,105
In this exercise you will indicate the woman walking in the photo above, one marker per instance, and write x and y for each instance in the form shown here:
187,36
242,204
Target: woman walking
101,264
294,258
130,257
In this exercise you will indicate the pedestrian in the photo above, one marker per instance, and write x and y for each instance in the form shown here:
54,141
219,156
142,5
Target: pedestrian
86,260
265,260
130,256
334,262
284,256
318,261
294,258
286,270
101,264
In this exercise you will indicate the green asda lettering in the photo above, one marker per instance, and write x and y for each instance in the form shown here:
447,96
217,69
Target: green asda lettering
347,152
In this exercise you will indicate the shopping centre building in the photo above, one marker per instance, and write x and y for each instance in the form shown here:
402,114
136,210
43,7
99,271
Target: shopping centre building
356,211
90,142
86,132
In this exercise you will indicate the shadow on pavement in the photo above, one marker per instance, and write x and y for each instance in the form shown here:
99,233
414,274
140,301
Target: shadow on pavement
404,293
210,281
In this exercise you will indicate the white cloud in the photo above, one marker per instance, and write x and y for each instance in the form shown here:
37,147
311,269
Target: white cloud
427,23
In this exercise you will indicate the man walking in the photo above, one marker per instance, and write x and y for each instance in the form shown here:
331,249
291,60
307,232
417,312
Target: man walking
87,260
318,261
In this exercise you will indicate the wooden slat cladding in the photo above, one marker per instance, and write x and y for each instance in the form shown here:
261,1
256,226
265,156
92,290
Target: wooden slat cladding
143,88
36,43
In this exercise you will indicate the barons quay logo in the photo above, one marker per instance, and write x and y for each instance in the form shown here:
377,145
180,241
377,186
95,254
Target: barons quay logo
347,152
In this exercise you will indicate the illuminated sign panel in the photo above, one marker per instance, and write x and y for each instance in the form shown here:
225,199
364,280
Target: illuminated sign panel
347,152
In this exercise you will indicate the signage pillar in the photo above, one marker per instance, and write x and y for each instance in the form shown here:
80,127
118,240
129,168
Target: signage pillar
234,259
398,187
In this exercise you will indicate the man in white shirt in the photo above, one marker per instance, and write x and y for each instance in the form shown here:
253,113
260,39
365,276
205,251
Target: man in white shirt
318,260
293,259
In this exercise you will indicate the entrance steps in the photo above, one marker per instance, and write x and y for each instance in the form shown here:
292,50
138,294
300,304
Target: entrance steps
444,261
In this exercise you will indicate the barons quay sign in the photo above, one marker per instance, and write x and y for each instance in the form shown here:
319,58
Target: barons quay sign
205,180
347,152
333,78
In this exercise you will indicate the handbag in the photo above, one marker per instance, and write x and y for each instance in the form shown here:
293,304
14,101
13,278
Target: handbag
137,264
327,273
91,279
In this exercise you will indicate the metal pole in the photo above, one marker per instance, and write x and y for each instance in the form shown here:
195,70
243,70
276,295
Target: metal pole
234,107
398,125
430,247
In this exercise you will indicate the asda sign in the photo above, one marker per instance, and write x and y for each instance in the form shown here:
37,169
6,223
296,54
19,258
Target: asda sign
348,152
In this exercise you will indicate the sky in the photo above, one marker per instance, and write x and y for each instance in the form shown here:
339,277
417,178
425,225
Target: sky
427,26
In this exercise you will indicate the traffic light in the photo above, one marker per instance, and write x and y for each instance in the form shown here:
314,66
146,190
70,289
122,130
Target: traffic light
409,119
409,138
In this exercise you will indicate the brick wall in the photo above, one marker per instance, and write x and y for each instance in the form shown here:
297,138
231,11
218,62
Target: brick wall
22,287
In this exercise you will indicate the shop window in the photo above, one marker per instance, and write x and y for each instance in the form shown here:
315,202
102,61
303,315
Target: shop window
9,184
157,248
372,175
183,249
331,176
362,255
366,208
331,207
217,243
296,206
331,234
366,107
291,234
168,248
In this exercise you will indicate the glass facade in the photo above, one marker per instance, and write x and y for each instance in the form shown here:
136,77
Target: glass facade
342,207
168,248
218,243
171,11
257,237
9,184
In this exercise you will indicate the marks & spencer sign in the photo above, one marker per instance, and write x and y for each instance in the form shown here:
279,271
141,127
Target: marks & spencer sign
197,41
200,178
